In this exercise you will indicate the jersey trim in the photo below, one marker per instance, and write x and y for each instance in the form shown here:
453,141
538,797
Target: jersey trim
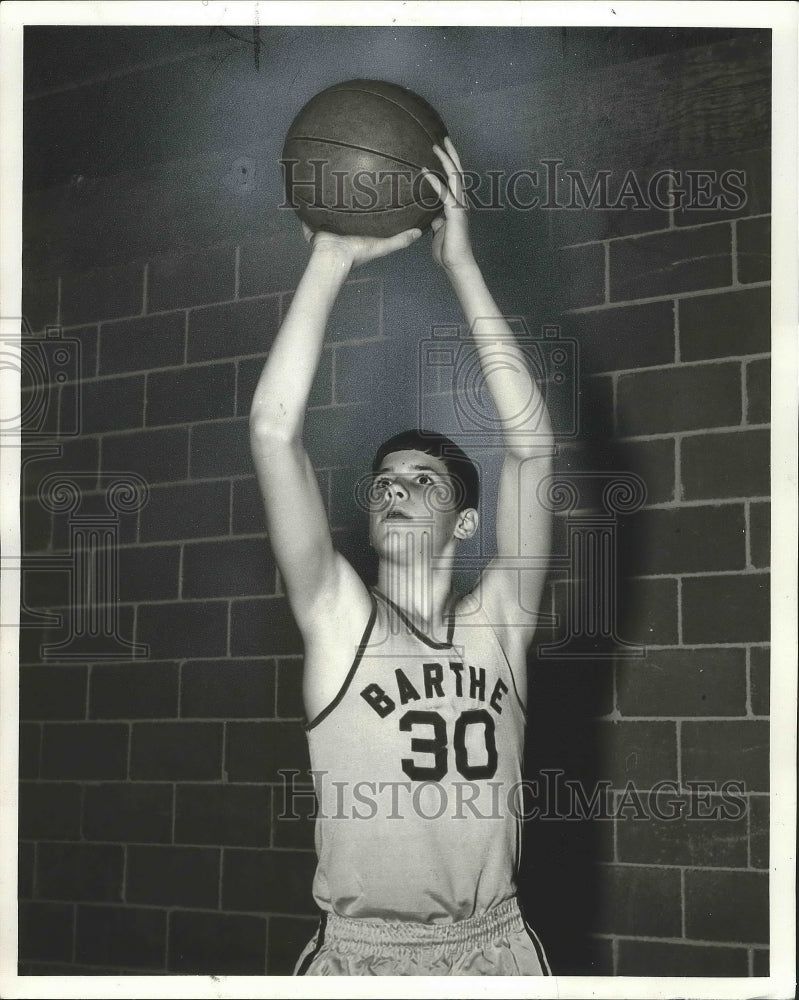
348,679
417,632
320,940
481,610
539,949
512,677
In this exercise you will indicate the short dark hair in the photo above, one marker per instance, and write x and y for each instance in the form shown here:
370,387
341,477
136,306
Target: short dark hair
459,465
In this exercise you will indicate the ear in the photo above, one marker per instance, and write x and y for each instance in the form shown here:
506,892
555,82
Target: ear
467,523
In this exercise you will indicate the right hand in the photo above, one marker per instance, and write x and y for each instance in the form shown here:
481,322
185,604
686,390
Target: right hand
355,250
452,248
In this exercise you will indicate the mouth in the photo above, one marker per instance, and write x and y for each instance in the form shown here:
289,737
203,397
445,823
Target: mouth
396,515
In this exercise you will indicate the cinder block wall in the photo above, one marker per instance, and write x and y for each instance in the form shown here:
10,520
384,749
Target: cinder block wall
673,322
149,794
149,797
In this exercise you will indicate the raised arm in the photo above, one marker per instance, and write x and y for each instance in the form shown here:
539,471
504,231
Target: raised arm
512,582
314,575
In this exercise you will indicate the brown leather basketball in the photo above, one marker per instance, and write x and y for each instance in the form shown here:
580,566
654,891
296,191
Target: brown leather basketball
353,157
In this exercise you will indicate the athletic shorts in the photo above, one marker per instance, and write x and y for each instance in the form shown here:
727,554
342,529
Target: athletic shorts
498,943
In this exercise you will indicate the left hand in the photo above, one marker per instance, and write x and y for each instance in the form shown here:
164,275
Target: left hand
452,248
356,250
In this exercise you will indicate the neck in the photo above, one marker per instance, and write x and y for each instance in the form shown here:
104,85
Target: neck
424,594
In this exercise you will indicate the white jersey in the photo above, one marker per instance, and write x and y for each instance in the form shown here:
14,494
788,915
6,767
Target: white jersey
417,767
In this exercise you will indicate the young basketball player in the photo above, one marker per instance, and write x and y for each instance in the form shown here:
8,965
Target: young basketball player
414,695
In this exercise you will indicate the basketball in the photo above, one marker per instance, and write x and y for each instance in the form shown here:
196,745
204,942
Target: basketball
353,157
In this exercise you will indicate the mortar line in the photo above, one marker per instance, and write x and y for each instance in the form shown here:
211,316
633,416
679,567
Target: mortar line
698,293
124,873
671,210
747,538
665,230
221,877
682,903
745,364
145,290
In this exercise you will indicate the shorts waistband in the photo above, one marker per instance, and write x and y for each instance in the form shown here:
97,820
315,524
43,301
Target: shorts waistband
500,919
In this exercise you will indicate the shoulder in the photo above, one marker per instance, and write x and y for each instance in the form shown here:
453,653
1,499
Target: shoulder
510,644
511,600
341,606
333,632
472,613
468,606
494,603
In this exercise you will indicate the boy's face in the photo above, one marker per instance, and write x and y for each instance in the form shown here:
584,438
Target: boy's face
413,496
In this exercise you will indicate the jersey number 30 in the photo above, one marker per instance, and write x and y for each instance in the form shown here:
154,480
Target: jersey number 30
438,747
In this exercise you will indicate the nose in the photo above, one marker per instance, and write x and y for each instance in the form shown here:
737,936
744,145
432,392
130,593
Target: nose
395,490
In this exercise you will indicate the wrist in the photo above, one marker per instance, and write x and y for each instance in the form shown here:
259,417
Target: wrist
463,272
331,257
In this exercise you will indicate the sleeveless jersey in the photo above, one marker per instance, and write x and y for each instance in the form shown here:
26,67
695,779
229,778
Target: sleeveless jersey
416,763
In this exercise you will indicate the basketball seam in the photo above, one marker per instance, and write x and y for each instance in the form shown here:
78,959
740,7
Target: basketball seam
358,211
352,145
360,90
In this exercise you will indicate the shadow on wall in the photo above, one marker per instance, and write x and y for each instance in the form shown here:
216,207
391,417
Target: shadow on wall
570,692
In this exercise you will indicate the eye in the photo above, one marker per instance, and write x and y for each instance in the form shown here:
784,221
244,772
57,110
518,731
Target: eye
425,480
381,484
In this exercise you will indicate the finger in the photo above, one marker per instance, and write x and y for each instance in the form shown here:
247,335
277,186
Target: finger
444,192
450,148
437,223
454,178
446,161
307,232
398,242
408,235
435,183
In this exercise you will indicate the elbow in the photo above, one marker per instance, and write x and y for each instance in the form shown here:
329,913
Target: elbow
269,431
539,462
539,447
536,441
